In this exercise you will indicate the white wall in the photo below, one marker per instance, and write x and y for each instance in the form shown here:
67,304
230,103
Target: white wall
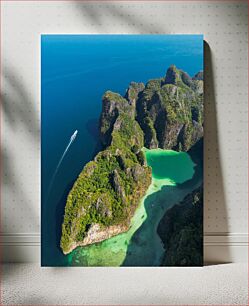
224,25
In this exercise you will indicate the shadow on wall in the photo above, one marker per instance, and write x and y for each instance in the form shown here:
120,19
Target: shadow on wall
19,116
214,194
18,106
94,14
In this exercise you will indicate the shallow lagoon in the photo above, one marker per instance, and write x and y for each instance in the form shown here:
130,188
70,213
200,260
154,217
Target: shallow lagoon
76,70
141,245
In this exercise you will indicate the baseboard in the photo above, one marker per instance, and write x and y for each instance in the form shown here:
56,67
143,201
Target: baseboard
225,247
218,247
20,247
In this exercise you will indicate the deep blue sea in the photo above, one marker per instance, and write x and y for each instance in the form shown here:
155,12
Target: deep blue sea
76,70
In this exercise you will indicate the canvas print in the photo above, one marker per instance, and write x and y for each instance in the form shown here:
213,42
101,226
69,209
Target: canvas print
122,150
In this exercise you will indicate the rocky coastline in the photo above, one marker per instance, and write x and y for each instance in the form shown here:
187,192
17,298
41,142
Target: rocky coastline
164,113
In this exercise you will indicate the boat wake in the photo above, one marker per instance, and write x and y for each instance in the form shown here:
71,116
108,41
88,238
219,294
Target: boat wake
72,138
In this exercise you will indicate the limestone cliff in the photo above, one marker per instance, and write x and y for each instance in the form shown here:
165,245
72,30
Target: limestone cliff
181,231
166,113
109,188
170,111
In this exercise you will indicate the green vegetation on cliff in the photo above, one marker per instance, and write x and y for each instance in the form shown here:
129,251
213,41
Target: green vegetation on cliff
170,111
109,188
166,113
181,231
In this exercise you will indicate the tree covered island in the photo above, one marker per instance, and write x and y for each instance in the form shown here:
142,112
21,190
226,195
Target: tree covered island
164,113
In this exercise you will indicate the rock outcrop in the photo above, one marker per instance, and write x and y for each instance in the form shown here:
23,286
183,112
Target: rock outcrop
109,188
166,113
112,105
133,92
198,76
170,111
181,231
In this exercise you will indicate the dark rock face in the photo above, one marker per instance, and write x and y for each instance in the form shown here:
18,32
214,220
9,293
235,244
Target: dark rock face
176,77
133,91
198,76
167,113
117,185
181,231
172,75
170,111
108,190
112,105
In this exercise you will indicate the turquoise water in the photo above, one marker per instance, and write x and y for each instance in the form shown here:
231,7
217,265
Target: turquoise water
170,171
141,245
75,72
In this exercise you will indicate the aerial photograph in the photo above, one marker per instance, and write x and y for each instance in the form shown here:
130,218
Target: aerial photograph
122,150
